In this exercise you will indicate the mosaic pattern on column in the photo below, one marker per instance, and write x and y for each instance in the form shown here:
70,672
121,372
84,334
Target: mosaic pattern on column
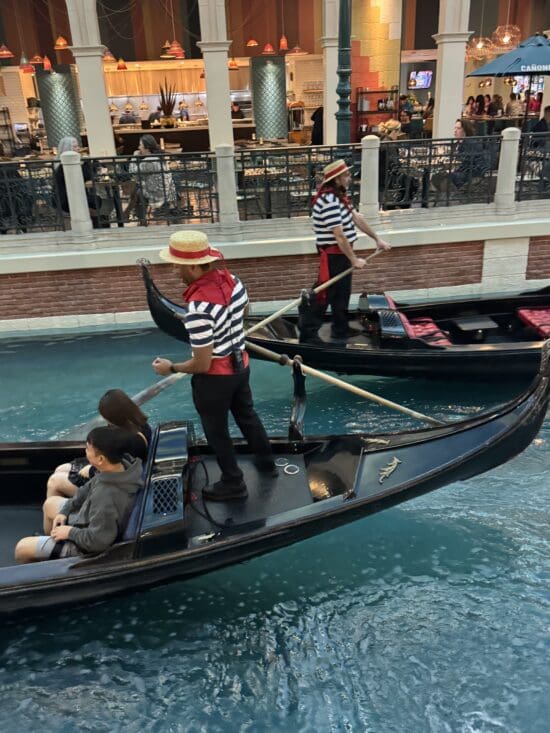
59,103
269,97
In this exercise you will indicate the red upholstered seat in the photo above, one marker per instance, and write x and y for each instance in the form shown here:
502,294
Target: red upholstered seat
537,318
425,329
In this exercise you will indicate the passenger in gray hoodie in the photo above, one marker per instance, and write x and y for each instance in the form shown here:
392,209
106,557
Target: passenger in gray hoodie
90,521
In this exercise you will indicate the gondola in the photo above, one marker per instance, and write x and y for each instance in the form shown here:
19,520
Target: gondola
483,338
323,483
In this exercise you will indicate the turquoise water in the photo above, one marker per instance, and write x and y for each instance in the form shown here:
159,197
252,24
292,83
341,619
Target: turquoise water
432,616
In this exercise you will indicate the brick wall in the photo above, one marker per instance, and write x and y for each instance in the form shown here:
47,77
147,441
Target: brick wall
120,289
538,261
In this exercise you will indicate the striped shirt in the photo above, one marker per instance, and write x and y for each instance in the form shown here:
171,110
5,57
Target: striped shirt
219,326
329,212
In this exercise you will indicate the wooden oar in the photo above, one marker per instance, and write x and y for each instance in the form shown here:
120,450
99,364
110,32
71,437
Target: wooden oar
296,302
285,360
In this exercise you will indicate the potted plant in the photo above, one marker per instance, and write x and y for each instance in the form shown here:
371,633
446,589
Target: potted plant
167,103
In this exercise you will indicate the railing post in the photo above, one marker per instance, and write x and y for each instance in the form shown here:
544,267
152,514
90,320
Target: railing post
227,185
81,222
505,195
368,197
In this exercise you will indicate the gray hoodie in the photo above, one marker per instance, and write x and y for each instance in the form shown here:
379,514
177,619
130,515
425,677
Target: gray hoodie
100,508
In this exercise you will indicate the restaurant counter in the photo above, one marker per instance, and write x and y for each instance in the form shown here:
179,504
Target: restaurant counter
189,138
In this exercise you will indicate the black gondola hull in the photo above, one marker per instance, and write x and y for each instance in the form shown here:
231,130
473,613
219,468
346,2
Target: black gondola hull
422,461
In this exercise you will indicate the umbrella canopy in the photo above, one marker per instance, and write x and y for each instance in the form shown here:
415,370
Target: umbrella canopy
530,58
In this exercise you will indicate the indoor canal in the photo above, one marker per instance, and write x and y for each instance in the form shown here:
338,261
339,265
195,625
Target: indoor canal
429,617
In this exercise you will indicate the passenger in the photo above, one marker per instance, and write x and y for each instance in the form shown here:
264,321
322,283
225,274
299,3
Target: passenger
92,520
118,409
216,304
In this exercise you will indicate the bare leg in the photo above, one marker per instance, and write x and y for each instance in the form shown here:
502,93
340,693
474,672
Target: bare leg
50,508
25,550
59,485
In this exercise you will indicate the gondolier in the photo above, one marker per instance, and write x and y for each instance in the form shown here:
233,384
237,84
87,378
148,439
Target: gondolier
334,223
216,304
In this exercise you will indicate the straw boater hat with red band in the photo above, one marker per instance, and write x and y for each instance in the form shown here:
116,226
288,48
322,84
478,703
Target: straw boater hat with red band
189,248
334,169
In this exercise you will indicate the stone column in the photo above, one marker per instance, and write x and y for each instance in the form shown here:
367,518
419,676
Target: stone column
329,42
214,46
88,53
81,222
505,195
368,197
451,48
227,186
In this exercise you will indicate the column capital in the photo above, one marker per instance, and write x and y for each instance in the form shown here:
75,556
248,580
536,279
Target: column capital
206,46
452,37
87,50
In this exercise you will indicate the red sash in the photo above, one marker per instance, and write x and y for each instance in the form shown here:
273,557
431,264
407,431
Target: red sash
324,273
223,365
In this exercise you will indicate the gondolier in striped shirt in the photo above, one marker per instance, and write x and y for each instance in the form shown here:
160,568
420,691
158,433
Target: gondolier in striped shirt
216,305
334,224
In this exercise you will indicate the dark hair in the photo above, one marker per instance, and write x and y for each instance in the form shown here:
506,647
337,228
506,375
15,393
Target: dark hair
470,99
109,441
546,109
405,112
513,96
149,142
468,127
118,409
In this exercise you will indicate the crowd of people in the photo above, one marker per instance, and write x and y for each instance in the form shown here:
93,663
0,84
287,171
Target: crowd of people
486,105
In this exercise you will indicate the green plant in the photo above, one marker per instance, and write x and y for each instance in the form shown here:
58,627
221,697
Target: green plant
167,98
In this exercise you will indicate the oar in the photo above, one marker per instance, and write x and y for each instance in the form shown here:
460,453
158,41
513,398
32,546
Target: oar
285,360
296,302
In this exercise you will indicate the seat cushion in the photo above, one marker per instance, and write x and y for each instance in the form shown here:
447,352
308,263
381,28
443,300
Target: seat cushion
537,318
425,329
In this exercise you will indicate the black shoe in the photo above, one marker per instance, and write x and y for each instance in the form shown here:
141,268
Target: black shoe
349,333
225,492
312,341
266,466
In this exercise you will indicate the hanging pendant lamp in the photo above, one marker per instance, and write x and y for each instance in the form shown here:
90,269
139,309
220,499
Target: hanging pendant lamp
108,57
47,64
251,43
24,64
36,59
5,53
283,44
268,50
121,66
297,51
61,43
232,64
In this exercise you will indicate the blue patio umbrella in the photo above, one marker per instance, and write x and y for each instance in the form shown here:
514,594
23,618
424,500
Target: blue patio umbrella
530,58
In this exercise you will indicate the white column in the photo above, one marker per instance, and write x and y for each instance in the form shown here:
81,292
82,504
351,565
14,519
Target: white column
368,197
451,41
88,53
227,186
214,46
81,222
505,195
329,41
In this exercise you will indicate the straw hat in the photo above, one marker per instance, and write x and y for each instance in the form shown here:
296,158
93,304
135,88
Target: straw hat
390,126
334,169
189,248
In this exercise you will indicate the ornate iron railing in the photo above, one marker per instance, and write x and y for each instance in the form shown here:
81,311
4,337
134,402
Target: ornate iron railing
29,199
280,182
533,179
429,172
158,188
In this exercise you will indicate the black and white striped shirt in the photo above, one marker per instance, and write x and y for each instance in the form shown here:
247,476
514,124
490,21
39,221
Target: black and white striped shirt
218,325
329,212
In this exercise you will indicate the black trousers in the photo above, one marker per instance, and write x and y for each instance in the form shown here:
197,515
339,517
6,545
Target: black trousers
338,296
215,396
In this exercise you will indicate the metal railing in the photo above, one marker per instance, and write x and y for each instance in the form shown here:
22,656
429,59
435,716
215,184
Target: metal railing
161,188
533,179
427,172
29,197
280,182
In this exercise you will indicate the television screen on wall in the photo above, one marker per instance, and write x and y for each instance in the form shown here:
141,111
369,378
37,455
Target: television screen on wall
420,79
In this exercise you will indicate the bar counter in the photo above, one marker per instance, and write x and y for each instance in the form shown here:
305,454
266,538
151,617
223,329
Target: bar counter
190,138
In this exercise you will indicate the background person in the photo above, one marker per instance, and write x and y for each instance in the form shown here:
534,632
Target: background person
216,305
334,224
154,185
